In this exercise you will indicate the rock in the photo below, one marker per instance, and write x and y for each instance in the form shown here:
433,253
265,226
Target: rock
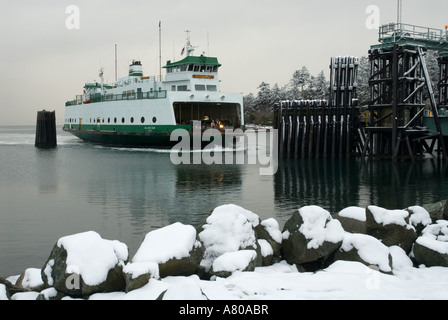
267,253
365,249
83,264
437,210
310,236
175,248
10,288
445,211
230,262
138,274
229,228
269,231
392,227
352,219
431,248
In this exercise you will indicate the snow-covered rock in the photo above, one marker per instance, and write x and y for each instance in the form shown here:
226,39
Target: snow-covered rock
419,218
31,279
230,262
392,227
310,236
431,248
229,228
352,219
366,249
84,263
175,248
269,231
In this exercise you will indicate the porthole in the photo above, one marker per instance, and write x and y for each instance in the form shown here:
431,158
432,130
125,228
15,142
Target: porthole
154,120
132,119
142,119
122,120
115,120
108,120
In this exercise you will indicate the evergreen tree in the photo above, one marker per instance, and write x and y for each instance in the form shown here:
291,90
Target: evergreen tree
363,89
300,79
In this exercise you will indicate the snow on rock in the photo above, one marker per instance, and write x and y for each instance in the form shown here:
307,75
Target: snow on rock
31,279
353,219
174,248
392,227
419,217
84,263
365,249
269,238
385,216
229,228
400,260
431,248
173,241
311,235
357,213
229,262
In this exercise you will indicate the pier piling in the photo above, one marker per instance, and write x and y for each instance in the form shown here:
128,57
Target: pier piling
46,129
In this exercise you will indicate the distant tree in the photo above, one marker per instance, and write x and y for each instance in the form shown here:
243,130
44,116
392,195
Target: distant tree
300,79
363,89
264,97
318,87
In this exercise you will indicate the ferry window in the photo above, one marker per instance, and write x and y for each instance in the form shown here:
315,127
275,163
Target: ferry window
203,68
190,67
211,88
200,87
142,119
169,70
122,120
173,88
115,120
108,120
182,88
196,68
154,120
132,119
183,68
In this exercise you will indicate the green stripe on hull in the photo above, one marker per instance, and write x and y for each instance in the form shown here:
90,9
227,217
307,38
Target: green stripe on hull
126,135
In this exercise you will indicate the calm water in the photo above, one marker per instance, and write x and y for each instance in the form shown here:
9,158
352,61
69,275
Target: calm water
124,193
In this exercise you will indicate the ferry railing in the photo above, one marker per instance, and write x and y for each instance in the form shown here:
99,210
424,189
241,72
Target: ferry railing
119,97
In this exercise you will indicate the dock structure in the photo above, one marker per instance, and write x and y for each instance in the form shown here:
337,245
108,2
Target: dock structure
46,129
400,122
399,76
322,128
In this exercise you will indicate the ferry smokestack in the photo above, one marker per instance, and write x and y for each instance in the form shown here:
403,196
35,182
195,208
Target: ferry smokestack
136,69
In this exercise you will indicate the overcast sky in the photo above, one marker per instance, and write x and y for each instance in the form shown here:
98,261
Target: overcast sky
43,63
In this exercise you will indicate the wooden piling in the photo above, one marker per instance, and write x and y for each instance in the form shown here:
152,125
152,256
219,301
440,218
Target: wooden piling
46,129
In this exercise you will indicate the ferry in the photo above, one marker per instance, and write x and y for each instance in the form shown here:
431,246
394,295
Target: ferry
139,110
